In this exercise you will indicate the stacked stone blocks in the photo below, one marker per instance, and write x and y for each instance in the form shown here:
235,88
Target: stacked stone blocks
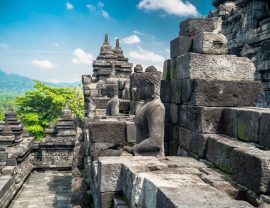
246,24
206,96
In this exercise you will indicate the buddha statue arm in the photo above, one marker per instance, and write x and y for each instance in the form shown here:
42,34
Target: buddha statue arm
155,118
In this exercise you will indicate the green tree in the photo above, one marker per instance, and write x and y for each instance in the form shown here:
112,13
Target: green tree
39,106
6,103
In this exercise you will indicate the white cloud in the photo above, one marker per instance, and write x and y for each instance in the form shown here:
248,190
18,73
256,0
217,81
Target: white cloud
81,57
138,32
172,7
133,39
45,64
145,55
91,7
4,46
69,6
98,9
105,14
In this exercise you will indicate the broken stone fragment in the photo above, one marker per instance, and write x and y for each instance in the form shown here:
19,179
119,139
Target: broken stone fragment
194,26
180,46
210,43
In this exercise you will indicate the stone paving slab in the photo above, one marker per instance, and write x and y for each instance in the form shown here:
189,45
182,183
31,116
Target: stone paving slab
49,189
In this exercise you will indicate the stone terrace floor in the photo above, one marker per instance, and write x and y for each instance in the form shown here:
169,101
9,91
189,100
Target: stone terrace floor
45,189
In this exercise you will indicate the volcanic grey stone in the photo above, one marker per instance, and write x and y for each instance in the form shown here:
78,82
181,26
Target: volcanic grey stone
101,103
124,105
169,69
228,122
207,92
107,131
165,91
218,67
86,79
264,132
210,43
248,125
8,170
173,113
200,119
206,197
266,46
184,138
186,90
250,167
131,132
106,199
175,91
220,150
198,144
109,174
194,26
180,46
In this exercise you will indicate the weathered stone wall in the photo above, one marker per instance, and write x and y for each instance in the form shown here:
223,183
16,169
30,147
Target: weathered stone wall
246,24
206,95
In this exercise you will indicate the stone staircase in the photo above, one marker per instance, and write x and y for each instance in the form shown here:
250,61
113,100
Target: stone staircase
45,190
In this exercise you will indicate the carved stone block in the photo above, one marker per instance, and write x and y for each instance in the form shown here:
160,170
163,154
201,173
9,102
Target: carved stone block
107,131
210,43
194,26
219,67
180,46
221,93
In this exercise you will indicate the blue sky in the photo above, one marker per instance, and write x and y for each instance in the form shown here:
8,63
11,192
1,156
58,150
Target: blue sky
57,40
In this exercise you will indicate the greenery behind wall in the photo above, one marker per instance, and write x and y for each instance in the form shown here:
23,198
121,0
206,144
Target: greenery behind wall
41,105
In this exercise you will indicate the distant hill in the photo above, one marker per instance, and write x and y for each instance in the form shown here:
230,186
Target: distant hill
14,84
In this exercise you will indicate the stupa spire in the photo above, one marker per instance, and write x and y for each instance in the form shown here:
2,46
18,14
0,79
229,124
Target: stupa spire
106,39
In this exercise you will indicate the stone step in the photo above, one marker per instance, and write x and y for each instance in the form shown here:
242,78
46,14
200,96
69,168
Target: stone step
247,124
165,182
247,164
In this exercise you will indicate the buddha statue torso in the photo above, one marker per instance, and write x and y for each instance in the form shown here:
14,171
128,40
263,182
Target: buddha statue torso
149,122
149,119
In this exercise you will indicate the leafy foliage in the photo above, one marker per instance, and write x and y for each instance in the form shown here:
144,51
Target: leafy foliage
6,102
39,106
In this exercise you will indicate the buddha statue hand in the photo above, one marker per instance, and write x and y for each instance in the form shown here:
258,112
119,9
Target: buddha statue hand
128,149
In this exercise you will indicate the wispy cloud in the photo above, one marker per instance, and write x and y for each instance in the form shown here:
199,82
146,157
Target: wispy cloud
145,55
171,7
98,9
45,64
4,46
133,39
138,32
81,57
69,6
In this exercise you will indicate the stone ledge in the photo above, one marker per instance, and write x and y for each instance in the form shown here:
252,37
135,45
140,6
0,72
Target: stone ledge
164,182
206,66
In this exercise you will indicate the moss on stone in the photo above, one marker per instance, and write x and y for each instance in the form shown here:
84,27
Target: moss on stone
242,129
224,168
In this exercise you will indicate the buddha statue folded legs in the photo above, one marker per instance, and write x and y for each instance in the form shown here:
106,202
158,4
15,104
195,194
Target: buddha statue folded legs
150,117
